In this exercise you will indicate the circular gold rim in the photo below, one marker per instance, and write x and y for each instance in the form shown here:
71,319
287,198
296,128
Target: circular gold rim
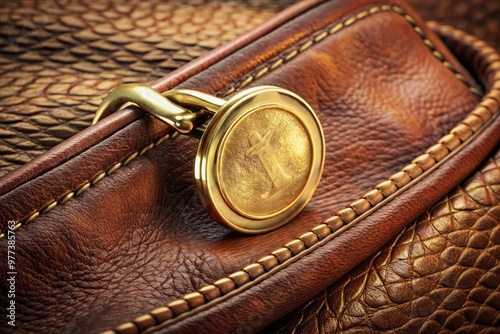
208,157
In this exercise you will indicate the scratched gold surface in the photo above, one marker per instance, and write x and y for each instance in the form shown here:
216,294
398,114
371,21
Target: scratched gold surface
263,184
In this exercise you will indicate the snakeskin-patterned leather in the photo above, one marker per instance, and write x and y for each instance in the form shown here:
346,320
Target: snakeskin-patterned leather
58,61
440,275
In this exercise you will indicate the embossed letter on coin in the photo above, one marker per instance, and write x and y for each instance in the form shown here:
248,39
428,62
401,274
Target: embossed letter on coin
261,175
261,148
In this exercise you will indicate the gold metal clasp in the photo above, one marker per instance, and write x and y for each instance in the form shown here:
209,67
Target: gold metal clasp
183,120
260,157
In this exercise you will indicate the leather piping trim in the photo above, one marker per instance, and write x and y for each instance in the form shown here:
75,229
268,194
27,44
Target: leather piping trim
258,72
435,156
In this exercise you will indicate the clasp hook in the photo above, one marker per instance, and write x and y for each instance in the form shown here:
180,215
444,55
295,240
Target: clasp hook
167,107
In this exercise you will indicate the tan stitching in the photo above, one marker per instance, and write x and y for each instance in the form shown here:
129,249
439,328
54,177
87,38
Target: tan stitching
87,184
319,36
419,167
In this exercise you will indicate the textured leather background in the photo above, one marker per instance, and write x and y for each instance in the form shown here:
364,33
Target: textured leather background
439,275
442,273
117,252
123,244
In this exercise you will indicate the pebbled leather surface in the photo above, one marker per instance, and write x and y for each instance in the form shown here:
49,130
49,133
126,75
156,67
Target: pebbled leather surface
439,275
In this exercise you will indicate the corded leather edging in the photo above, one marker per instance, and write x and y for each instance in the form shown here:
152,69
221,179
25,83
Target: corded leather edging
460,136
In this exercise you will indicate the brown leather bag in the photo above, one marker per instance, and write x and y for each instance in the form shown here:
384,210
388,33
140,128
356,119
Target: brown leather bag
401,234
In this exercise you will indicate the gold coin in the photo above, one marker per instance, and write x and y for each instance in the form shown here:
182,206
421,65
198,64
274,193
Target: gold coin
260,159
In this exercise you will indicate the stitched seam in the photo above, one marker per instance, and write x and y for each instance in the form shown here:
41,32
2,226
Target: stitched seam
422,163
291,53
419,167
84,186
